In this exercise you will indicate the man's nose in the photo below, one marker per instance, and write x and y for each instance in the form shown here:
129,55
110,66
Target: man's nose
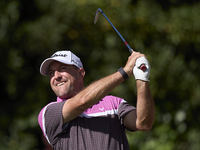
57,74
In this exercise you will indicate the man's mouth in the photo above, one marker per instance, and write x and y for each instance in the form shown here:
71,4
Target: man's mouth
59,84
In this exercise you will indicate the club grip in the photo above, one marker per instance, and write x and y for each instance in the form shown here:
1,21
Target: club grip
142,66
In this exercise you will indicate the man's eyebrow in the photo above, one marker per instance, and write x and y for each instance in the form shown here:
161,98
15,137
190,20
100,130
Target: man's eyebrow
50,70
63,65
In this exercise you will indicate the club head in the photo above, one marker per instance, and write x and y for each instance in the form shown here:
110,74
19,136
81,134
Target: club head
97,15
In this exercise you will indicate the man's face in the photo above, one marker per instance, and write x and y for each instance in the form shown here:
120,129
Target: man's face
65,79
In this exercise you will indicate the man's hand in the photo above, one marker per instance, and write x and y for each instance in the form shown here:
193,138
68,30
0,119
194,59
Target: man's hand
131,62
140,74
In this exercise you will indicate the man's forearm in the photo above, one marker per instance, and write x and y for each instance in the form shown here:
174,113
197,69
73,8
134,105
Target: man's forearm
97,90
145,106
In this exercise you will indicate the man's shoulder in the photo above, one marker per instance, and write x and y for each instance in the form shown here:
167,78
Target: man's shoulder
112,99
43,112
51,103
48,105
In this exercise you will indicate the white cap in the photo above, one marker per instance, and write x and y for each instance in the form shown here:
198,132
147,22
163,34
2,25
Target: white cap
65,57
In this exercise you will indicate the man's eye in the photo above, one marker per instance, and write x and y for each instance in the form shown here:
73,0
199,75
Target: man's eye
50,73
62,68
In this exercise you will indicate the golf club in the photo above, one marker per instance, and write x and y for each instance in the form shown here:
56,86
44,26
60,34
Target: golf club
142,67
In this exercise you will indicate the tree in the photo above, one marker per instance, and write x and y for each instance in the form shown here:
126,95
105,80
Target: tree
166,31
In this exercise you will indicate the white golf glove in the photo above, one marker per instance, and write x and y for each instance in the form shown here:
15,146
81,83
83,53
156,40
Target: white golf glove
138,73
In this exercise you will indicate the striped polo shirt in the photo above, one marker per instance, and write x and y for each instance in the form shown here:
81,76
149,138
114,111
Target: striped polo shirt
99,127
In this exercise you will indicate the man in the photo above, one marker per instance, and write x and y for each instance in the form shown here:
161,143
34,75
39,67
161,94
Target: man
86,118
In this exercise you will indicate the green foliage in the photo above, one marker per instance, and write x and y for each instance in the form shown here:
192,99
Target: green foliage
166,31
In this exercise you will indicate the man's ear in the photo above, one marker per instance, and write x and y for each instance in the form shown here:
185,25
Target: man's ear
81,73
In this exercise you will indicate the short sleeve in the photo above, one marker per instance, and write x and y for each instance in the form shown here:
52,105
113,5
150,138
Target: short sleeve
123,109
52,121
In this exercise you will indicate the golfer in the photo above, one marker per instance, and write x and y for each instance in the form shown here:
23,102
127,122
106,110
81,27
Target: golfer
88,118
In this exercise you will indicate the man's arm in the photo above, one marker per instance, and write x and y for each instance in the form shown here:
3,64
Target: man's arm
143,117
96,91
90,95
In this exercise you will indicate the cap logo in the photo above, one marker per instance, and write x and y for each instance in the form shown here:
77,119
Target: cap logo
59,55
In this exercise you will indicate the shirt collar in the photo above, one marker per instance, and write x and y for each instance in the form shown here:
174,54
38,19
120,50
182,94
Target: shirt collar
60,99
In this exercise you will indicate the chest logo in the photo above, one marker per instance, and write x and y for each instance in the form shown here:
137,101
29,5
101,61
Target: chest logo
101,109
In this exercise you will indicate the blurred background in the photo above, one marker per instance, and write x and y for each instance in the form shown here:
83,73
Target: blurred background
167,31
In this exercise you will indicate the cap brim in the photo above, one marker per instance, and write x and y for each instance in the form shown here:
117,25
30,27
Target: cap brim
44,68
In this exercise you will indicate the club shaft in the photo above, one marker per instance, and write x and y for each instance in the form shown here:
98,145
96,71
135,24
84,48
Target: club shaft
130,49
142,67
